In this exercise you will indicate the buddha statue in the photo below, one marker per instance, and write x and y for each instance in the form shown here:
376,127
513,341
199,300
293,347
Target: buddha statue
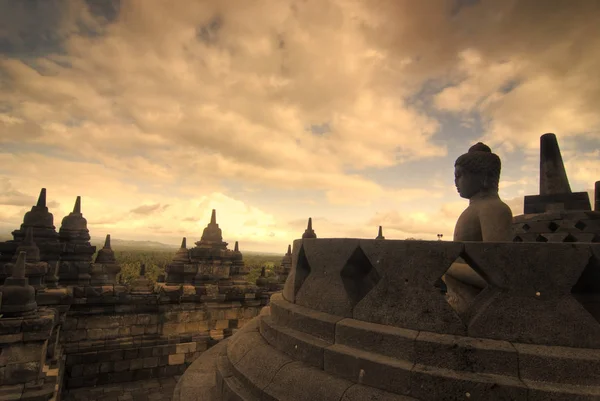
487,218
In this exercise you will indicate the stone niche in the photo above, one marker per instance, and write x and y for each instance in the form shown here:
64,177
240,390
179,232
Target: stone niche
362,319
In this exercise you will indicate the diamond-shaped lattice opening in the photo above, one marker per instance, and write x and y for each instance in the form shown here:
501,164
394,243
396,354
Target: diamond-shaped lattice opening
553,226
541,238
587,289
302,270
359,276
580,225
525,227
463,284
570,238
518,239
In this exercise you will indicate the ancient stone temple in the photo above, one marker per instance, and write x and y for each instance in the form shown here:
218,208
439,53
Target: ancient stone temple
35,269
74,267
361,319
28,370
283,270
41,222
210,267
557,214
87,330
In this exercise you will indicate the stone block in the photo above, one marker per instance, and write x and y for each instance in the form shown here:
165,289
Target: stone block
298,345
106,367
137,363
11,392
95,334
408,272
358,392
76,371
442,384
116,355
540,391
146,352
391,341
221,324
121,366
240,346
559,364
151,330
324,288
91,369
319,324
130,353
466,354
535,304
176,359
185,348
151,362
367,368
137,330
298,382
259,366
22,353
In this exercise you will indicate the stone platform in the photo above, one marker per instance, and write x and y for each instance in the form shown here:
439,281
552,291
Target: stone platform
362,320
142,390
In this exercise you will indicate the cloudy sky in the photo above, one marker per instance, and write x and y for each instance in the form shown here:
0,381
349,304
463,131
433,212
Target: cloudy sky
351,112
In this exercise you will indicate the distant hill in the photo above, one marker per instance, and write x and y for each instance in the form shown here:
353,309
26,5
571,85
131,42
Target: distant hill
123,243
143,245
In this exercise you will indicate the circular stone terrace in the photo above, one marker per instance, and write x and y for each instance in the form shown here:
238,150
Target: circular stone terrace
363,320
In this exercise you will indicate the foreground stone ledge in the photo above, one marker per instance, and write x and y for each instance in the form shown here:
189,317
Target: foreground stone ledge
441,365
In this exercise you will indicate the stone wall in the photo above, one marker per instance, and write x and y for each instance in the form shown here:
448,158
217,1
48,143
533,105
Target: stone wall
125,342
26,370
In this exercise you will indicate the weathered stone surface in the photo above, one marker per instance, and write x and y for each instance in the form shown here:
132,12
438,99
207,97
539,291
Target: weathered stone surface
533,301
466,354
323,289
298,382
540,391
258,367
428,383
359,392
294,281
390,341
318,324
299,346
559,364
405,296
385,373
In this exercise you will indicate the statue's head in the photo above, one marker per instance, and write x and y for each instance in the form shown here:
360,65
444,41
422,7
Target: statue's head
477,171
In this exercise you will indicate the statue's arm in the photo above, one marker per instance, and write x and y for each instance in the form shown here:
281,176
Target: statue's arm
496,224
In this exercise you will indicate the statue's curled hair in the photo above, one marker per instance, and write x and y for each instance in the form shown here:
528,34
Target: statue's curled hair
480,160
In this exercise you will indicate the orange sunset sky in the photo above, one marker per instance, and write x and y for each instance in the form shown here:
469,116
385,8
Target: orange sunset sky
351,112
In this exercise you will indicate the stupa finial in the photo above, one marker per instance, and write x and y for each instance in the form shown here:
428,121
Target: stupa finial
289,251
553,176
107,241
41,202
380,233
236,247
183,243
213,217
77,207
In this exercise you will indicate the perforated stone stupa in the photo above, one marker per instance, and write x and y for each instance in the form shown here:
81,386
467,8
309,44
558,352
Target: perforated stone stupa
557,214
